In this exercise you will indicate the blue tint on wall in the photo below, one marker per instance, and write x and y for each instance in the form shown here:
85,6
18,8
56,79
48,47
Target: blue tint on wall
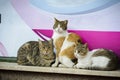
92,6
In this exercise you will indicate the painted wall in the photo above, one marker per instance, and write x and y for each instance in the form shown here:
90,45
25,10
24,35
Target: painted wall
96,21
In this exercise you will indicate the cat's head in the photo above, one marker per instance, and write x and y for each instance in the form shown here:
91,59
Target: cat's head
60,26
81,50
46,48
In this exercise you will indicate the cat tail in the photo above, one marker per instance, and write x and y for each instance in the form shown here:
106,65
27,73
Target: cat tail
93,68
101,69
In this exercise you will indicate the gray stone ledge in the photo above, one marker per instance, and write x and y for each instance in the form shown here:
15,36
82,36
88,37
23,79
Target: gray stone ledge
16,67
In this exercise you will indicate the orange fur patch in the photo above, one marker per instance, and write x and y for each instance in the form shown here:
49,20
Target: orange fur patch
59,43
69,52
74,38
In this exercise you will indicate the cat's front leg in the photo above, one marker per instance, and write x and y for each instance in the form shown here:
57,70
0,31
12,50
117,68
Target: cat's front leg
76,66
62,66
56,62
80,66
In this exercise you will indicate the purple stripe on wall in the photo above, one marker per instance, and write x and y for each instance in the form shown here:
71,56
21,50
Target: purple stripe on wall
95,39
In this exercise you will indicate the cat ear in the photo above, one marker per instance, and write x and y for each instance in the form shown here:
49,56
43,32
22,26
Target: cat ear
55,20
51,41
39,41
66,21
77,44
86,45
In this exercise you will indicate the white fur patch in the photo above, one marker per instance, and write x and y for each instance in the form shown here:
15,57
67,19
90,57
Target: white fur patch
100,61
57,35
66,61
76,54
56,62
66,44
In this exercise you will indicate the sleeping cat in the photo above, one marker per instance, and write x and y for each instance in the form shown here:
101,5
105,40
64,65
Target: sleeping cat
97,59
59,34
36,53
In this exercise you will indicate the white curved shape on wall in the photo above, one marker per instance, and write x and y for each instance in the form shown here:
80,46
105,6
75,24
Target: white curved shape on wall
67,3
72,6
13,30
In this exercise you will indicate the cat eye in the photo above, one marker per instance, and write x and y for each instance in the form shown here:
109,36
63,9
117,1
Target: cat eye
78,51
83,46
49,47
43,47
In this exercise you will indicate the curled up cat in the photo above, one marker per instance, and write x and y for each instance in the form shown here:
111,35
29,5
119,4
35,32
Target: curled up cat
64,44
36,53
97,59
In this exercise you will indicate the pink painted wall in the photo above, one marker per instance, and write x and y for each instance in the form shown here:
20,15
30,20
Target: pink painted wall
99,28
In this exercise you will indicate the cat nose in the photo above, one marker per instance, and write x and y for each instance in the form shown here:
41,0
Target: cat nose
45,53
59,30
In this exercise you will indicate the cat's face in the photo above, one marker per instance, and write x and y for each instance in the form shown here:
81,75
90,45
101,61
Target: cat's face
60,26
46,48
81,50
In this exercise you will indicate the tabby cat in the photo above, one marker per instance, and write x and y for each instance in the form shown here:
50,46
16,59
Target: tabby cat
97,59
36,53
64,44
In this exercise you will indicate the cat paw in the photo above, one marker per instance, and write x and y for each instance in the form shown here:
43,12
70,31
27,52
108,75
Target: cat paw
75,66
78,66
54,65
62,66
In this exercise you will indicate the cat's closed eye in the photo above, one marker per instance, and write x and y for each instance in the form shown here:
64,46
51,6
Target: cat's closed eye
43,47
83,47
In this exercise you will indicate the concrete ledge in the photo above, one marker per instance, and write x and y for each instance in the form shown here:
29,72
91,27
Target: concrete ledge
26,75
16,67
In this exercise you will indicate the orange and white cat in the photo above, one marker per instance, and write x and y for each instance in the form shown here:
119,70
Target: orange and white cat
66,54
64,44
59,34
